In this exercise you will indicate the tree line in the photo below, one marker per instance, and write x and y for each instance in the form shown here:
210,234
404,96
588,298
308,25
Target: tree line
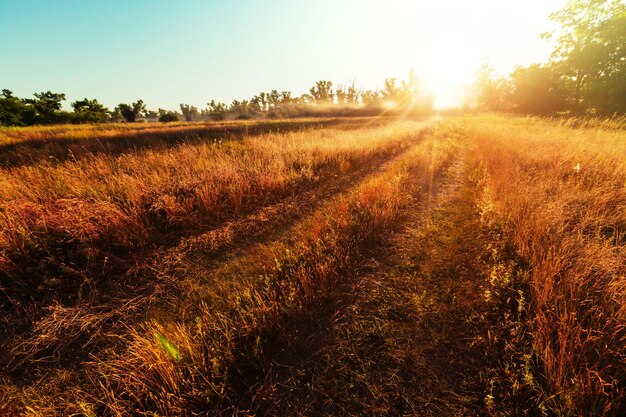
586,73
321,99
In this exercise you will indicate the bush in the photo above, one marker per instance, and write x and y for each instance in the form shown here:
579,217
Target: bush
169,116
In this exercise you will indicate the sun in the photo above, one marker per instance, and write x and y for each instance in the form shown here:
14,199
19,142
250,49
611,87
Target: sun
446,88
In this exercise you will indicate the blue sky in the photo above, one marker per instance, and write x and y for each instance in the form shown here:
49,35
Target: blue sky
192,51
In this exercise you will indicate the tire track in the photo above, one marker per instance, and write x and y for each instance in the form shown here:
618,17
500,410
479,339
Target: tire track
234,238
411,340
302,357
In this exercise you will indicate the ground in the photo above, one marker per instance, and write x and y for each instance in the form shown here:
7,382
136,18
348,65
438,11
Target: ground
318,267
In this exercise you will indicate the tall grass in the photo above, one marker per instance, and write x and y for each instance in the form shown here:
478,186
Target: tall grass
32,145
255,309
81,236
561,195
213,340
51,133
57,215
74,233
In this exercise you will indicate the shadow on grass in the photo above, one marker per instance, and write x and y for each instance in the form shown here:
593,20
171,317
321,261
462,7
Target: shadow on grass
58,148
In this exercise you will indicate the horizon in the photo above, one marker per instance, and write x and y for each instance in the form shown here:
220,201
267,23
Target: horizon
130,51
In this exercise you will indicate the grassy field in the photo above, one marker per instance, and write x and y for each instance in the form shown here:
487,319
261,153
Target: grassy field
465,265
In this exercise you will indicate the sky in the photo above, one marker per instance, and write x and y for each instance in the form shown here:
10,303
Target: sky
169,52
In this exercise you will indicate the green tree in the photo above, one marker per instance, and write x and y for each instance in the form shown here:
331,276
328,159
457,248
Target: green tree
47,107
240,109
89,111
167,116
491,91
536,90
263,101
116,115
217,110
131,112
150,115
255,105
590,53
12,109
273,99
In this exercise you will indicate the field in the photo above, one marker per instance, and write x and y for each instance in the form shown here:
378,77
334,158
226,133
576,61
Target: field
455,266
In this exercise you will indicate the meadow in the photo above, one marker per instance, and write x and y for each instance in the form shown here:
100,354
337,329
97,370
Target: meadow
458,265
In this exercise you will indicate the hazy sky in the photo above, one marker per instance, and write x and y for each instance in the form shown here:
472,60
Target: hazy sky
168,52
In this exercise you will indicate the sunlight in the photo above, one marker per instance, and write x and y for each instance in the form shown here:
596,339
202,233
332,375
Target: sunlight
446,42
447,92
440,101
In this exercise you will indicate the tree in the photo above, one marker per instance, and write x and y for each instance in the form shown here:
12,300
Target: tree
409,89
12,109
190,113
46,107
341,94
167,116
370,96
217,111
116,115
263,101
491,91
322,92
240,109
273,99
286,98
391,90
306,99
89,111
255,105
352,94
590,53
150,115
130,112
535,90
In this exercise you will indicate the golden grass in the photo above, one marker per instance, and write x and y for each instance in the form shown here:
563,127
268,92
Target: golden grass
13,135
122,200
213,337
239,321
33,145
561,195
65,223
114,251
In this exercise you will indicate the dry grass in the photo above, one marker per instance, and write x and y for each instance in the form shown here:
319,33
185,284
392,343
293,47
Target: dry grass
208,276
31,145
16,135
560,194
68,226
77,216
256,310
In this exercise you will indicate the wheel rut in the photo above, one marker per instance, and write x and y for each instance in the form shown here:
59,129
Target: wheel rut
410,339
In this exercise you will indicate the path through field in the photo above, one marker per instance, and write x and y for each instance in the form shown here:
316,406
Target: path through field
408,337
392,268
384,323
